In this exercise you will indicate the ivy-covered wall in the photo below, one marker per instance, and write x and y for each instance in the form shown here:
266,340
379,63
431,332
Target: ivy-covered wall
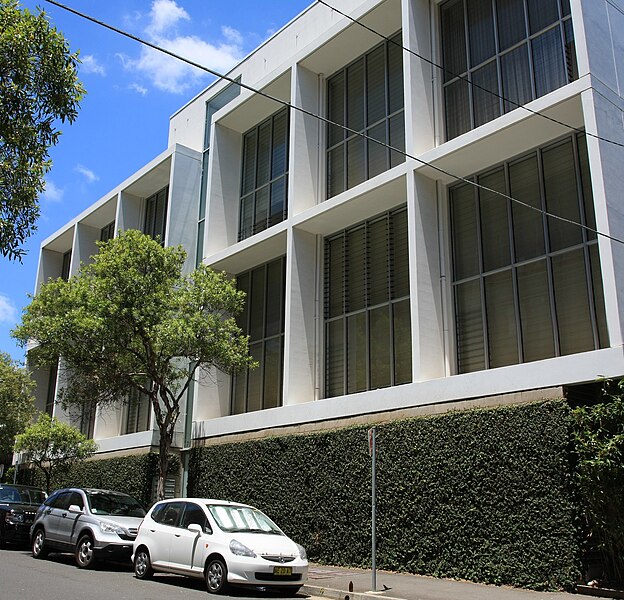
483,494
132,474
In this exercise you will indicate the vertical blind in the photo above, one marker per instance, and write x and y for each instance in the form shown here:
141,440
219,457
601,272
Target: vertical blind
367,316
527,286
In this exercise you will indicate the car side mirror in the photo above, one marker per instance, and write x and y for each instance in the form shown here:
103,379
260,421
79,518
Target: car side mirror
75,508
195,527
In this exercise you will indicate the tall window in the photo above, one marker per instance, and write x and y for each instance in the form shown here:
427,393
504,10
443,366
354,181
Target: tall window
518,49
264,186
138,413
367,313
107,232
216,103
527,286
367,97
66,265
87,420
51,395
263,321
156,215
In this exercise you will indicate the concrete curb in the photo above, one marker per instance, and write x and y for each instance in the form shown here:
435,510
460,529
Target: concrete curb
332,594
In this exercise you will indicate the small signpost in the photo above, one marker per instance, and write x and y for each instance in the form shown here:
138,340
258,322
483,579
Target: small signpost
372,451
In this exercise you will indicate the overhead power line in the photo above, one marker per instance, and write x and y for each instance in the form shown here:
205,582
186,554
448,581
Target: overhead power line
469,82
287,104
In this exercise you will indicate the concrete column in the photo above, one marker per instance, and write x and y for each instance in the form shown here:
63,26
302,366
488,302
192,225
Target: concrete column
303,187
428,361
301,318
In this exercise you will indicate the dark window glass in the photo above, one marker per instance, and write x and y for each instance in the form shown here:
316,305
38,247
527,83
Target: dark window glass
108,232
263,320
367,96
500,54
367,312
193,514
66,265
546,298
156,215
264,185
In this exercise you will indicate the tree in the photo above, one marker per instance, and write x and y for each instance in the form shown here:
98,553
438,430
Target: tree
52,444
38,86
16,403
599,444
131,321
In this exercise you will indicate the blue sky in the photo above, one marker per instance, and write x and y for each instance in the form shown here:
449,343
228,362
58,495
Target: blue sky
131,93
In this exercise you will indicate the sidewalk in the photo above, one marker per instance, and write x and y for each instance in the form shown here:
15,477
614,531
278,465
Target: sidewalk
338,583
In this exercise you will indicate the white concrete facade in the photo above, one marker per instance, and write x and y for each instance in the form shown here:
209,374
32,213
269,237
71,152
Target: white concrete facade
294,66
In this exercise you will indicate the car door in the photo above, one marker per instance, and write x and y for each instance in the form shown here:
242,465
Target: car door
55,507
69,519
186,551
160,531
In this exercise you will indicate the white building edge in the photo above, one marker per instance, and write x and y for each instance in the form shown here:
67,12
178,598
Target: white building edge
487,311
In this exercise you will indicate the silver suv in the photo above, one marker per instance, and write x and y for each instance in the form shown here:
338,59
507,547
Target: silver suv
88,522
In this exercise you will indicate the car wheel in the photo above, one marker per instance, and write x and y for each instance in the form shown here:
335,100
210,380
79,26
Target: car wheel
85,556
142,564
39,548
216,576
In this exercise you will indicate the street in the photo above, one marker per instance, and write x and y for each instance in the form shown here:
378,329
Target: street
57,578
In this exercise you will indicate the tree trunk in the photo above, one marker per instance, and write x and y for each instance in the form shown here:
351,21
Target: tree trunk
166,438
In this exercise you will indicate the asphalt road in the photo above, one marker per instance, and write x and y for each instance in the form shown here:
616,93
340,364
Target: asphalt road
57,578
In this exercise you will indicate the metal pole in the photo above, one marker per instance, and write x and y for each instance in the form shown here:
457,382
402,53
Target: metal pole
373,515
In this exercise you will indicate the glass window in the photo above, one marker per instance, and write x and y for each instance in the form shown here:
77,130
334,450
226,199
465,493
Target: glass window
139,412
194,514
367,97
511,51
66,265
156,215
264,185
531,288
108,232
263,320
367,314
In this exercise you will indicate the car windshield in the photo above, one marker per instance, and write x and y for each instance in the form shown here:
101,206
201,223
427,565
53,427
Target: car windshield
21,495
109,503
242,519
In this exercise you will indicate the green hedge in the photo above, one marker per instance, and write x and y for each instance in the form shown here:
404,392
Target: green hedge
484,494
132,474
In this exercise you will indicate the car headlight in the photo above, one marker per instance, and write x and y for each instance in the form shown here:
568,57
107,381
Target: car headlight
302,552
108,527
241,550
13,518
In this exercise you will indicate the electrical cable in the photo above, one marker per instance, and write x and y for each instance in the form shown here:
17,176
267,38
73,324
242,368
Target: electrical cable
469,82
287,104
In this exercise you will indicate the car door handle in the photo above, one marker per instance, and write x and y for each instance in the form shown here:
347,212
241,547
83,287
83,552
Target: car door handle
177,534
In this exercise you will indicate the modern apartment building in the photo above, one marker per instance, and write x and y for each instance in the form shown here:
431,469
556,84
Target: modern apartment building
476,255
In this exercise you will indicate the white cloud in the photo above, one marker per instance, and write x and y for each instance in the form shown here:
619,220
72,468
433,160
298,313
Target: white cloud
88,174
165,14
90,64
171,74
52,193
139,89
8,312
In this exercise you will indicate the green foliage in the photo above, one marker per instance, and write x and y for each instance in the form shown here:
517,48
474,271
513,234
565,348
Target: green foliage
132,475
483,494
131,321
16,403
599,439
38,86
51,444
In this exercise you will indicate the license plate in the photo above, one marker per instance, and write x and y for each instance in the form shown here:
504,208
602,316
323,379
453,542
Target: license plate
282,571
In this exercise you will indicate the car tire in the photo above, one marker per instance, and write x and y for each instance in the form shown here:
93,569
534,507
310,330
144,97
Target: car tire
39,546
142,564
85,555
216,576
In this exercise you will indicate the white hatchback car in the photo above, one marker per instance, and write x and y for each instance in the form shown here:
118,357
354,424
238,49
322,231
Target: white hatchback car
222,542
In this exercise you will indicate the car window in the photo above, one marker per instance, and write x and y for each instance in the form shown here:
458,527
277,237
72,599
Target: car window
32,496
169,514
193,513
76,498
9,494
113,503
242,518
61,501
